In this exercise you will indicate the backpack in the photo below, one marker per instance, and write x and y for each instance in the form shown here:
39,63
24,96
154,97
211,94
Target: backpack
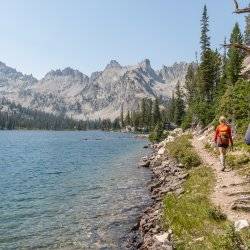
224,135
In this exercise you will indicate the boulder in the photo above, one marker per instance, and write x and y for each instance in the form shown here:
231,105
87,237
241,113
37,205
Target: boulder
162,238
240,224
161,144
161,151
170,138
144,164
145,158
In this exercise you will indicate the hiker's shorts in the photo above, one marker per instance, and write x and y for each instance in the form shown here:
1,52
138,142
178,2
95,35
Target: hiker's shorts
222,145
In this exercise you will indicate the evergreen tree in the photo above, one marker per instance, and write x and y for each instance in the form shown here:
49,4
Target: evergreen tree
205,39
116,124
206,67
122,117
171,108
135,119
222,82
149,113
179,105
206,78
143,112
156,112
235,57
127,119
190,85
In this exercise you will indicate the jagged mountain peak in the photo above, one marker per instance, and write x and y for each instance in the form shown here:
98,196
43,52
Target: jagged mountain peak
113,64
101,95
145,64
2,64
173,73
10,77
68,71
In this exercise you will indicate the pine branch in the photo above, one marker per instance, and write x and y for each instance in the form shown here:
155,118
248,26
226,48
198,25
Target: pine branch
238,46
240,11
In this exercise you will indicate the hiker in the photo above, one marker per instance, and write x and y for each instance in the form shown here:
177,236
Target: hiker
247,136
222,138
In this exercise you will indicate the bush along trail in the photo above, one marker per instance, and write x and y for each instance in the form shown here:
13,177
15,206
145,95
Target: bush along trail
185,212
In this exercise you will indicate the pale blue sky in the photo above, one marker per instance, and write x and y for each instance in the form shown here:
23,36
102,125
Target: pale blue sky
40,35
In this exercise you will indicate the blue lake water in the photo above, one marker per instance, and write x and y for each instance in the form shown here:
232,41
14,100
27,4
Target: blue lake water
69,190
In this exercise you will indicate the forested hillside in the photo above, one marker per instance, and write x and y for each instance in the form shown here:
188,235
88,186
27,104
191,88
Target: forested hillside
217,84
14,116
216,87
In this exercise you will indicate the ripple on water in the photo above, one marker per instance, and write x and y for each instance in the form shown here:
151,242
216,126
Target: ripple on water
60,191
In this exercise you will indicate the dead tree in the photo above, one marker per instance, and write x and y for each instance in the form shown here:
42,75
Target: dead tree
240,11
238,46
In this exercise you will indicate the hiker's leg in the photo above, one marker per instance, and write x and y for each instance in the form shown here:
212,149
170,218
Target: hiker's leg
222,157
224,154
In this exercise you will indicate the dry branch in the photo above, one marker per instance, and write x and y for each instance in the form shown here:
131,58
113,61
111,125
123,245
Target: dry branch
240,11
238,46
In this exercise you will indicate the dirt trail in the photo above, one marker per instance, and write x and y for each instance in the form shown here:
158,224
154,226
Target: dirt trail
230,188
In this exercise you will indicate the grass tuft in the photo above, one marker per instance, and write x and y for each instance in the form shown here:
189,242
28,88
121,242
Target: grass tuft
182,150
216,214
196,223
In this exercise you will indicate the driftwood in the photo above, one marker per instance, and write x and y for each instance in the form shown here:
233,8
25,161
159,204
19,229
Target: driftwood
240,11
238,46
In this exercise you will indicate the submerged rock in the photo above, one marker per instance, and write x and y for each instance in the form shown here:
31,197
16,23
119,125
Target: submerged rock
144,164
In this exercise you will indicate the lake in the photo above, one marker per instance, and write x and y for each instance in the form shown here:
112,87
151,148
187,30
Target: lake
70,190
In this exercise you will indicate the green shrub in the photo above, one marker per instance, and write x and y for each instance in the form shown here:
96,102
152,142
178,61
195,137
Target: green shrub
182,150
236,161
236,101
158,133
187,121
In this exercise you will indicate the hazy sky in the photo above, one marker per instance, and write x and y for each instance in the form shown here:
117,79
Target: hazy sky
40,35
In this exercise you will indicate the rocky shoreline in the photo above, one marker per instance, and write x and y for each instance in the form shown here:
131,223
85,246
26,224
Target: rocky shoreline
167,177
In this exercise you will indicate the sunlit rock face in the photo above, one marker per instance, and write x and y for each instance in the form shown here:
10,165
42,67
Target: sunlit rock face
101,95
246,68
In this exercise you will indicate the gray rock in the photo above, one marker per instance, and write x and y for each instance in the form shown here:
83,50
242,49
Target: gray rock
240,224
144,164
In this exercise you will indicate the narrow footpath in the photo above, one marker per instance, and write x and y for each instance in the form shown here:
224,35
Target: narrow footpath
231,192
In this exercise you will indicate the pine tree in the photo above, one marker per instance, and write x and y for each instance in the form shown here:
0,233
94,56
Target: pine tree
207,77
116,124
206,67
143,112
171,108
217,69
179,105
122,117
156,112
205,39
127,119
190,85
235,57
222,84
149,113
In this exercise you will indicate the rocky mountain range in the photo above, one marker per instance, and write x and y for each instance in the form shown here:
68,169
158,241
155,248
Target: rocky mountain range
100,95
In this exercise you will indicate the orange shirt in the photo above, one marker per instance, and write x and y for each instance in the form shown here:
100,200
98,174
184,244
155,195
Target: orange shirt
223,135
